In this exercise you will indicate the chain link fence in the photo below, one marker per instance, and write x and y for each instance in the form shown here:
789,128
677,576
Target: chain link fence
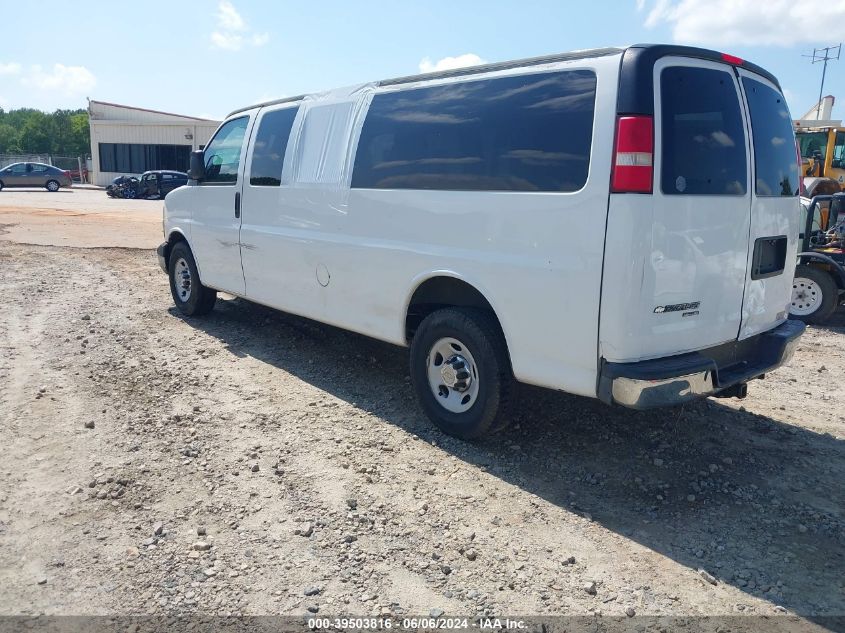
77,165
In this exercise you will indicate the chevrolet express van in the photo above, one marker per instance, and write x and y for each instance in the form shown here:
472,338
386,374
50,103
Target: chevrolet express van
617,223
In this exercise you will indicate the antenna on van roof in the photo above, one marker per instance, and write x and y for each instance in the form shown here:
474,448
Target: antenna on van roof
824,55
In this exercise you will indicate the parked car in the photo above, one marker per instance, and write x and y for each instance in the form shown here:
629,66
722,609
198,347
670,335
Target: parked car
75,175
157,184
123,187
151,185
619,223
34,175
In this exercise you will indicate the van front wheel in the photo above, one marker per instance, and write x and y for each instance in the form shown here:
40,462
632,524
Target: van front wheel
189,295
461,372
814,295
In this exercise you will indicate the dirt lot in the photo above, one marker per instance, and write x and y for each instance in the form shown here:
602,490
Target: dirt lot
78,217
252,462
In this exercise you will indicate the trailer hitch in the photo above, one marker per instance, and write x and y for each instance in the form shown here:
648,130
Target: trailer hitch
734,391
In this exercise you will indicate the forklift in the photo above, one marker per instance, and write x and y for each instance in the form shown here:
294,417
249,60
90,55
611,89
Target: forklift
819,284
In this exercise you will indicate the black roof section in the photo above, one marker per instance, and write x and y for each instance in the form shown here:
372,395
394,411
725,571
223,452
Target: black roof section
636,76
636,81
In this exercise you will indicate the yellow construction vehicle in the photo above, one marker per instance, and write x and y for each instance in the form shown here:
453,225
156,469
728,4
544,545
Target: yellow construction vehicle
821,143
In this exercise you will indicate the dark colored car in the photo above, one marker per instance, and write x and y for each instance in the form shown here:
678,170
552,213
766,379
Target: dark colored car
157,184
151,185
123,187
34,175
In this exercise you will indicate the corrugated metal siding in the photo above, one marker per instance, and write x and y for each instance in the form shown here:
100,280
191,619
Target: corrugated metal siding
171,132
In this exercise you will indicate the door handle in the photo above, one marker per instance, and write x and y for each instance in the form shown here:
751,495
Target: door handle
237,204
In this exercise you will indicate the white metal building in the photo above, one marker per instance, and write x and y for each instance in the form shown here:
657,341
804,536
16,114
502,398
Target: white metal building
127,140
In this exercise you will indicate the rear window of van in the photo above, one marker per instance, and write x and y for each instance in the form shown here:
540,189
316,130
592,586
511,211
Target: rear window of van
518,133
775,163
703,142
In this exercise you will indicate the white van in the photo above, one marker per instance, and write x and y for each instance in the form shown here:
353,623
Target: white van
617,223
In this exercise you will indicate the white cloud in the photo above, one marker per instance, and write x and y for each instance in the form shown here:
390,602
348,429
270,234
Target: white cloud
233,31
228,17
728,22
10,68
449,63
68,80
227,41
4,104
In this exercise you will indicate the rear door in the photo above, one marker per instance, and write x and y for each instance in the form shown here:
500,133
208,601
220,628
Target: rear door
39,175
775,208
694,278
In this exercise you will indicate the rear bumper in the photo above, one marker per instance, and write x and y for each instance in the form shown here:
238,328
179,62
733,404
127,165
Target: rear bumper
678,379
161,252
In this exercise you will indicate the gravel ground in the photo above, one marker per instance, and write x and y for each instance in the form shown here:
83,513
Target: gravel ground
251,462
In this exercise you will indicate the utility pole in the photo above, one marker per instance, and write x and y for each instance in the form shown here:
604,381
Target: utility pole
824,55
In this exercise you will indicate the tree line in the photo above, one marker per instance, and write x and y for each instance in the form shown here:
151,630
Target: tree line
30,131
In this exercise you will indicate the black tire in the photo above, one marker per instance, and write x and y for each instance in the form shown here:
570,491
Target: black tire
199,299
52,185
826,285
1,185
480,334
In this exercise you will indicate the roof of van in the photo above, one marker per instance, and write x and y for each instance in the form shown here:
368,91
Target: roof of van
638,58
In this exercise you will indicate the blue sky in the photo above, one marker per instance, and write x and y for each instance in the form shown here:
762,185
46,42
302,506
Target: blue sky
207,57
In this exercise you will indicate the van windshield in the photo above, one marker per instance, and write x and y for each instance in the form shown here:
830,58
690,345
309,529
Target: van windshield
775,162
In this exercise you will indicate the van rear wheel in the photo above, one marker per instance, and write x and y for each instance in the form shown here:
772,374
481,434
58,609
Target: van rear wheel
189,295
814,295
461,372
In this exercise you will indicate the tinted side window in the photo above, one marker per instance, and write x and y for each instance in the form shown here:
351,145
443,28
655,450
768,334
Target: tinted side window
703,142
223,153
520,133
268,155
776,169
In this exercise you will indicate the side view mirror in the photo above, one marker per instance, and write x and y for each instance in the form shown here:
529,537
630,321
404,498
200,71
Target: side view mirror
197,169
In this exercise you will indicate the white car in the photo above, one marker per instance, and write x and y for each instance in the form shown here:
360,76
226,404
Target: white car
618,223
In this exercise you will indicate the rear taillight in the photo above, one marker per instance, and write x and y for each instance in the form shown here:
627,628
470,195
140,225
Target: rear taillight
732,59
633,157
